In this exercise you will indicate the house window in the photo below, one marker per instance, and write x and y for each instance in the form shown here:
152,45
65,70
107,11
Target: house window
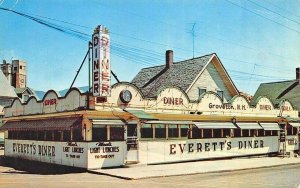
201,91
220,93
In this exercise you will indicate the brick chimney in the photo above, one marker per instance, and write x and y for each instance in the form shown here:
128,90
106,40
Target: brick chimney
298,75
169,58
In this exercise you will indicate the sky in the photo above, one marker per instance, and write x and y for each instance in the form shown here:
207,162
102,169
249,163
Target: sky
257,41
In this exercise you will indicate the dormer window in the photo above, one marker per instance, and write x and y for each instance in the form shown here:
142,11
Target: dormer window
201,91
221,94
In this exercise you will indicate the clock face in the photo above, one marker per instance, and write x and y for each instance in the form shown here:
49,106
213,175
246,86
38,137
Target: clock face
125,96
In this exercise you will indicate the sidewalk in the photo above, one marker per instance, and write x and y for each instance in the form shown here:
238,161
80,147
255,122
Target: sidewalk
144,171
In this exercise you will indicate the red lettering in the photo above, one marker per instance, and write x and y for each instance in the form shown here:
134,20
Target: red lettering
105,76
50,102
173,101
105,64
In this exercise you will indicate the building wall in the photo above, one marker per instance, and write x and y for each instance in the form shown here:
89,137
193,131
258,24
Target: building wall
19,74
211,81
166,151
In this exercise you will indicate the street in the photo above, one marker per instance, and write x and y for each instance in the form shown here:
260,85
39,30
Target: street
16,174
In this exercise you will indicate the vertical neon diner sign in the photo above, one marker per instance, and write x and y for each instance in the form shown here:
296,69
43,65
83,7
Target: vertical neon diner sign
101,62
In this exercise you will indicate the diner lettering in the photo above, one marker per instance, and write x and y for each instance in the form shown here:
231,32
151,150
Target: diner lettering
50,102
32,149
214,146
173,101
265,107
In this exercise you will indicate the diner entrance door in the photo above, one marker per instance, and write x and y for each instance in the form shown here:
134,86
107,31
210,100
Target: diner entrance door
132,144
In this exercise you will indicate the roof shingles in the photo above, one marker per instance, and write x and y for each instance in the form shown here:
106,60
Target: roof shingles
181,74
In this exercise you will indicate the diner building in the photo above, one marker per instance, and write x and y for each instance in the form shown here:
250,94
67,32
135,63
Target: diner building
183,111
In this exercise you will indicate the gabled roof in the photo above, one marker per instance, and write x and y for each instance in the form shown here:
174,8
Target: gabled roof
277,91
181,74
6,90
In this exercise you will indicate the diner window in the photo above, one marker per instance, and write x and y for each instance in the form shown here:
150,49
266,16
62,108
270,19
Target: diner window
237,132
184,130
253,132
40,135
173,131
146,131
201,91
289,130
295,130
227,133
116,133
196,132
207,133
274,133
245,132
217,133
260,132
221,94
57,135
160,131
49,135
268,133
99,133
77,134
67,135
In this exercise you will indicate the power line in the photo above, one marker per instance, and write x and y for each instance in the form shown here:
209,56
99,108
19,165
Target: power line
137,55
289,28
272,11
278,7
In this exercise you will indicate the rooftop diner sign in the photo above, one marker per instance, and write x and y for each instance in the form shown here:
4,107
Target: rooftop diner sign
101,62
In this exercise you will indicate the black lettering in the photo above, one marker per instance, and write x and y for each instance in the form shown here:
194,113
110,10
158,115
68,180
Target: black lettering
214,144
207,146
191,147
228,145
255,143
172,147
222,145
261,143
53,151
240,144
182,147
199,147
250,144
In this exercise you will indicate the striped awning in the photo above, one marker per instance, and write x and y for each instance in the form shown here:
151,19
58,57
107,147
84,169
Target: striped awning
171,122
101,123
43,124
270,126
141,114
215,125
294,124
249,126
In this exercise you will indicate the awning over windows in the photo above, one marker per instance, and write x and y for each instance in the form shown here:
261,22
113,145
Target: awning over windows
141,114
249,126
102,123
171,122
215,125
43,124
270,126
294,124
